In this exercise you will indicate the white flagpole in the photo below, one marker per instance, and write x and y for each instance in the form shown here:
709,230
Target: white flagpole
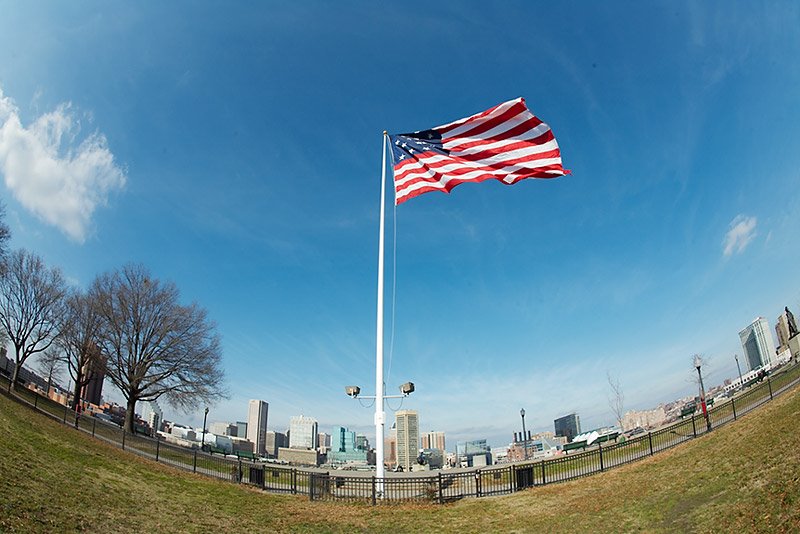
380,415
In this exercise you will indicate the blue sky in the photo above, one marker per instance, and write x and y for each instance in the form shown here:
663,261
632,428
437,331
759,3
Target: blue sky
235,148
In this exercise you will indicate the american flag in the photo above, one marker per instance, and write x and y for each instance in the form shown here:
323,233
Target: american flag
506,143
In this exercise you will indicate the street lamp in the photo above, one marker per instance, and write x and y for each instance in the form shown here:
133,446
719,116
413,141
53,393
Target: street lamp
524,434
203,442
741,381
380,419
698,362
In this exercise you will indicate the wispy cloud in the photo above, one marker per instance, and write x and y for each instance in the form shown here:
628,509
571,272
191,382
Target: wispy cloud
51,173
740,235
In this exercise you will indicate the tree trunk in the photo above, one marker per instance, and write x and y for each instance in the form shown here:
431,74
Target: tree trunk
12,386
130,415
76,394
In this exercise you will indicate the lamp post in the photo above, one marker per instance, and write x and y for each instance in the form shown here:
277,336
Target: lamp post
524,433
698,362
741,380
203,442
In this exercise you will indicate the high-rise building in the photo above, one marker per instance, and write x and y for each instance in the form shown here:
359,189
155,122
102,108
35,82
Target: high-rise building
257,425
433,440
94,374
782,330
303,432
407,422
390,447
275,441
151,412
757,344
241,429
344,449
568,426
323,442
219,428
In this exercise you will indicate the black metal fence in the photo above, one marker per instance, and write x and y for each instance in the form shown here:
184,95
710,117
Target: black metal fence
439,486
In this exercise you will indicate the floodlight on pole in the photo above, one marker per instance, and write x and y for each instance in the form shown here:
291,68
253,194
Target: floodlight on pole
698,362
739,368
524,434
355,392
203,441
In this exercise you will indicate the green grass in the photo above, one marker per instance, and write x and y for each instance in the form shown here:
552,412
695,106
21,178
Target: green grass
744,476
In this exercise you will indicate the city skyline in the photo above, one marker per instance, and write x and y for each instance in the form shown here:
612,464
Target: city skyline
239,157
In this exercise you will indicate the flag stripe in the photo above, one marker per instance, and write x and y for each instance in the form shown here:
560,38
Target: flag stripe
500,117
456,166
439,176
506,143
457,128
545,172
526,130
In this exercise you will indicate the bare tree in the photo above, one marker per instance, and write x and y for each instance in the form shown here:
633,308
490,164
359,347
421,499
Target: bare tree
616,400
31,305
50,364
5,235
155,346
78,342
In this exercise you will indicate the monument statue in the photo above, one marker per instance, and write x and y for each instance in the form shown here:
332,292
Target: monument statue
790,320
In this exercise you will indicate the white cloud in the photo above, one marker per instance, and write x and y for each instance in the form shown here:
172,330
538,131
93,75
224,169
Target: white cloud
741,233
58,178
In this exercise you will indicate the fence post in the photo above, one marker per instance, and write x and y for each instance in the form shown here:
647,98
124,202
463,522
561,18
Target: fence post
158,446
733,405
694,427
194,462
650,439
240,475
36,401
311,477
543,480
66,408
94,425
123,439
294,481
374,490
511,478
478,483
441,497
769,385
600,448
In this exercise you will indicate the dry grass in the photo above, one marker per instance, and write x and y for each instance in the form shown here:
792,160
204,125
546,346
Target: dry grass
742,477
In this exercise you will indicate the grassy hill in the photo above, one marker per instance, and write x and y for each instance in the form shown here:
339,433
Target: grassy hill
744,476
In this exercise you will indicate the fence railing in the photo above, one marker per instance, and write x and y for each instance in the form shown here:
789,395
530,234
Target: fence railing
439,486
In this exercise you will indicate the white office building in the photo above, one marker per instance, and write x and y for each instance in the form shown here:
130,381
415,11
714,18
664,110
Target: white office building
151,412
303,432
222,428
257,425
407,422
759,349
